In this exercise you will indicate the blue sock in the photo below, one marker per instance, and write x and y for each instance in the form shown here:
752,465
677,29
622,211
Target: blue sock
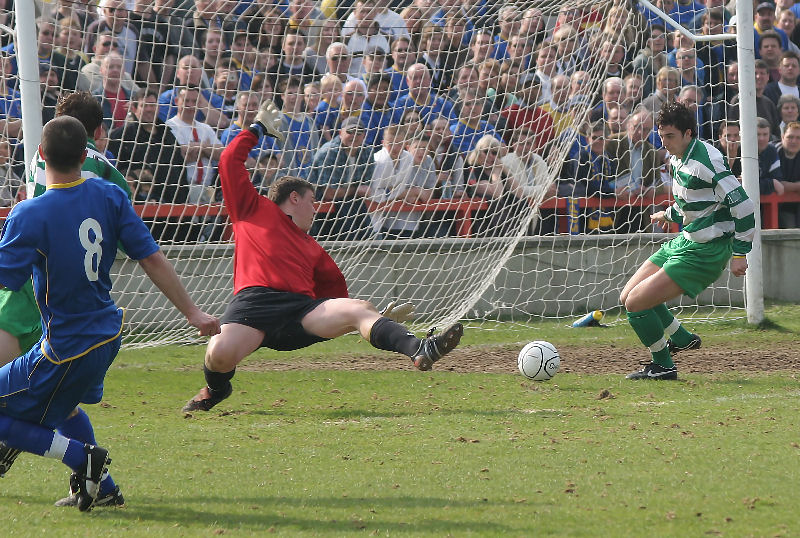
42,442
79,427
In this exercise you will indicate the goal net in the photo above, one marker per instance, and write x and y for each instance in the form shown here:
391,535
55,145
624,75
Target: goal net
483,160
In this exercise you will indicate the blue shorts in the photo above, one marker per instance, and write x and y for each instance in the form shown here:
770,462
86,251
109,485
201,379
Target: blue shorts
36,390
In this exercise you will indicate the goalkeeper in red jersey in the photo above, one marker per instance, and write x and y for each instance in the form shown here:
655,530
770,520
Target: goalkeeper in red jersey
288,292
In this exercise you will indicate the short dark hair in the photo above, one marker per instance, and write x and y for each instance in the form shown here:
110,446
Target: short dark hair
770,34
677,115
282,187
84,107
64,143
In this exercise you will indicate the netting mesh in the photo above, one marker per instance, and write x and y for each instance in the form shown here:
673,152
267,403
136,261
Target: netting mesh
481,159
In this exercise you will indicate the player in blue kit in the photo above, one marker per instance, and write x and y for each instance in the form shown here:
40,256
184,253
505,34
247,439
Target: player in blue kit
67,238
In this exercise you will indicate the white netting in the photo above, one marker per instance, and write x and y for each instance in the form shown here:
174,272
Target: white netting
511,182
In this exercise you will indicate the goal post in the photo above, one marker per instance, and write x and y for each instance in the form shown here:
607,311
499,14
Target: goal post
518,190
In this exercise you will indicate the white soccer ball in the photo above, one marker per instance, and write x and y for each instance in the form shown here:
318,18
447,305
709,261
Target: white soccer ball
538,360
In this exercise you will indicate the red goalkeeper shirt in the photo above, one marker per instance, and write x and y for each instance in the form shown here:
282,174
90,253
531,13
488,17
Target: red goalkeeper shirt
270,250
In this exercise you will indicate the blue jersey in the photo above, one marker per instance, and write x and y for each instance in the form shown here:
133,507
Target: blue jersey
399,84
434,106
67,238
266,143
465,137
299,139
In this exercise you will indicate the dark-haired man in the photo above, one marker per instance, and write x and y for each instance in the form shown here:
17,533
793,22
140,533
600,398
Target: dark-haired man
288,291
718,222
71,264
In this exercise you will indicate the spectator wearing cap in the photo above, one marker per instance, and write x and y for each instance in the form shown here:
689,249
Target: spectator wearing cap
209,106
765,22
247,104
342,170
366,34
402,58
789,69
420,96
527,113
301,139
391,23
469,126
114,17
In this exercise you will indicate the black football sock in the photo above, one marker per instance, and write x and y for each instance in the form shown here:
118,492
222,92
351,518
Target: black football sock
219,383
392,336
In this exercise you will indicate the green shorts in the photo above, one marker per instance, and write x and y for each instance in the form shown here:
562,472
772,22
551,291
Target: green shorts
20,316
693,266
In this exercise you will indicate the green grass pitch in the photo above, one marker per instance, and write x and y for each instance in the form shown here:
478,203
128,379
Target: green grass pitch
403,453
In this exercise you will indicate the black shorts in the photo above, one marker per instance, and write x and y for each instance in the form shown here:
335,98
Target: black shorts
277,313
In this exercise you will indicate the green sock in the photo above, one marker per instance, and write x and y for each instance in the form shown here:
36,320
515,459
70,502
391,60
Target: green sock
672,327
648,328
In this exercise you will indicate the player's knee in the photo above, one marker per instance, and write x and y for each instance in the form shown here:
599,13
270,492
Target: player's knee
222,355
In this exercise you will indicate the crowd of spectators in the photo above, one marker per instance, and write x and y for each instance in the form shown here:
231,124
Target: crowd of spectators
414,101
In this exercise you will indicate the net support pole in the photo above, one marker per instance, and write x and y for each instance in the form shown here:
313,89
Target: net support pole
754,278
28,71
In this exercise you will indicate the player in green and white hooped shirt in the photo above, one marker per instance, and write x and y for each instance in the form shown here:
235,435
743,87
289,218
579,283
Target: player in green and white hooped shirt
718,223
20,319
